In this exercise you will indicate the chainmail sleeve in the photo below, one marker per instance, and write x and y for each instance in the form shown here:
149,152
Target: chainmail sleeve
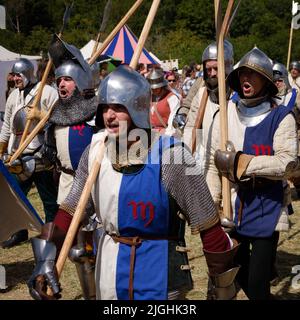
184,182
72,199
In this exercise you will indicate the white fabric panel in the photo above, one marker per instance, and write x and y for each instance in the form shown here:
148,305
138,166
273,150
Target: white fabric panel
108,268
62,145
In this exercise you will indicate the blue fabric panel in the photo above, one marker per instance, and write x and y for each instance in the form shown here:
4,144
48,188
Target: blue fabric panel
144,211
261,206
111,48
79,138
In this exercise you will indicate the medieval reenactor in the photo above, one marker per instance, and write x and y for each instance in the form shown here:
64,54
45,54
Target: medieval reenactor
70,129
261,154
141,186
186,117
164,103
32,167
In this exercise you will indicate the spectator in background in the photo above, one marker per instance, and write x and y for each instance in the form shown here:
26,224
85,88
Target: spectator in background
141,69
173,82
10,85
188,81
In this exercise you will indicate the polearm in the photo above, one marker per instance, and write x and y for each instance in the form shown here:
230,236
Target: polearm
204,98
103,25
223,107
203,102
115,31
38,96
80,209
42,122
290,46
26,139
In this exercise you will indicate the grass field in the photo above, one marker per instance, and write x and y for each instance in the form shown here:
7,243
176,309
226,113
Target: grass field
19,264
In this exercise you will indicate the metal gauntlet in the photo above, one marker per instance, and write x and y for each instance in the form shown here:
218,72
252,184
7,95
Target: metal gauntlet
46,248
222,272
44,273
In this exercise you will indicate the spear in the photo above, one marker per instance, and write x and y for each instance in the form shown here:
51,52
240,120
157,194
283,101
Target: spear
103,25
38,96
43,121
223,106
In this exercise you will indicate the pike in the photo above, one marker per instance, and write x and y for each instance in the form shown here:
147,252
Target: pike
80,209
227,212
43,121
103,25
38,96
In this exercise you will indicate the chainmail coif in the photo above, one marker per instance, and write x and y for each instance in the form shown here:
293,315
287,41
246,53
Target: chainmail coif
74,110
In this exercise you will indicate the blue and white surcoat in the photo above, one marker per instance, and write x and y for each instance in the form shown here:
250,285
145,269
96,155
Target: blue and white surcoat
130,205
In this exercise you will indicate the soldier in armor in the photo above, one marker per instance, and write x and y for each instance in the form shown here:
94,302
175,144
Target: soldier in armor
294,74
261,153
186,115
70,129
31,168
164,103
286,94
141,186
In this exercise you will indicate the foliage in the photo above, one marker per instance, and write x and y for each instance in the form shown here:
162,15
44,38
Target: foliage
181,28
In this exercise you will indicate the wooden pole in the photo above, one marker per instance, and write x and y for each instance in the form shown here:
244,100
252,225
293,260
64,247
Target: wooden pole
199,119
144,34
290,46
223,108
115,31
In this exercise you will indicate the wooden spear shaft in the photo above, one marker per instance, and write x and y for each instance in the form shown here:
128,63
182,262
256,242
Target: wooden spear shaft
204,98
290,47
223,107
144,34
115,31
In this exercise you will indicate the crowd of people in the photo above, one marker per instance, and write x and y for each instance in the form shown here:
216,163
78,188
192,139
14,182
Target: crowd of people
152,181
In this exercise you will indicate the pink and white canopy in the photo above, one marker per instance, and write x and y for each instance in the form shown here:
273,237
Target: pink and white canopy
123,46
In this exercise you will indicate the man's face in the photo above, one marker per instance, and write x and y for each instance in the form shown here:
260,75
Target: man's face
66,86
211,67
251,82
295,73
19,83
116,119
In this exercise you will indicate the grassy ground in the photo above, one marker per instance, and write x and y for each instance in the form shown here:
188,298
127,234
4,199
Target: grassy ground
19,263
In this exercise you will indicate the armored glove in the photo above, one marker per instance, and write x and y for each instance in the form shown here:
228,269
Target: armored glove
222,272
179,121
45,249
232,164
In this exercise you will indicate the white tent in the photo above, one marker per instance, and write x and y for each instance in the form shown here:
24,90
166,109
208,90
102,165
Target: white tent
7,59
87,49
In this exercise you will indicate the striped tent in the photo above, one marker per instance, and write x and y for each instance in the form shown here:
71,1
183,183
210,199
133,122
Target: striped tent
123,46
